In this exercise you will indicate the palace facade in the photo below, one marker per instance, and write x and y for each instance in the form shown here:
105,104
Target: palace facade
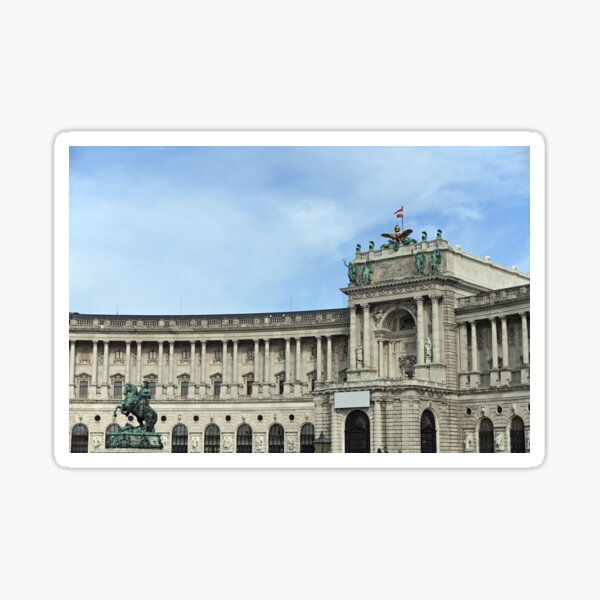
431,355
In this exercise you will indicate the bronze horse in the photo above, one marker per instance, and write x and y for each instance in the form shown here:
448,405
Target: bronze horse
138,405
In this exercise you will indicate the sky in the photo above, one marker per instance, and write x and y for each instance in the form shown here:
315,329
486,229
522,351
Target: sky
217,230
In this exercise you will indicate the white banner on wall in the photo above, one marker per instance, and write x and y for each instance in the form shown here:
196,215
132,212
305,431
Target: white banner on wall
352,399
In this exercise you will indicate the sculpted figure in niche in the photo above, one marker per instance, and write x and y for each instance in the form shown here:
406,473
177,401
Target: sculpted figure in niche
291,444
436,260
428,350
260,444
378,317
359,356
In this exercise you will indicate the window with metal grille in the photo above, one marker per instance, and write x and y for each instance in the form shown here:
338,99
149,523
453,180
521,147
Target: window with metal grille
79,438
517,435
83,388
307,438
486,436
113,428
244,439
179,443
276,438
212,439
428,433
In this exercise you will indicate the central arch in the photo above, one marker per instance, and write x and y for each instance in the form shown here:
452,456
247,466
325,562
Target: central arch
357,432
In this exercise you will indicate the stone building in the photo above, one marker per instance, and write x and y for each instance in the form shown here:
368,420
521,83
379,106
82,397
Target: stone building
431,355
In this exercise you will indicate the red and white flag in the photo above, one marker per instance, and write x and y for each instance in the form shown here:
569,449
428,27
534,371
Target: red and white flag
400,212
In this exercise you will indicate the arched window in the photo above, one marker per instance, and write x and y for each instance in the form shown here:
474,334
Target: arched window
517,435
486,436
244,439
179,441
428,433
307,438
212,439
358,432
113,428
276,438
79,438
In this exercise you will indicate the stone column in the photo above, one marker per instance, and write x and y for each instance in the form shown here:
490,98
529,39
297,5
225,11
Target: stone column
139,371
474,376
161,367
352,345
192,364
329,359
390,365
72,369
463,377
420,332
267,359
525,349
235,375
298,359
171,388
494,345
289,374
336,445
525,336
319,368
105,369
94,363
380,358
377,426
224,378
204,368
435,329
366,336
505,373
256,366
127,362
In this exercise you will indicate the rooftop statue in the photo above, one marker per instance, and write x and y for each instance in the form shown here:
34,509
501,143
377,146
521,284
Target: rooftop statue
420,261
367,273
351,272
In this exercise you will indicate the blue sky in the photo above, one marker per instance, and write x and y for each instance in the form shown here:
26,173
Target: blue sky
258,229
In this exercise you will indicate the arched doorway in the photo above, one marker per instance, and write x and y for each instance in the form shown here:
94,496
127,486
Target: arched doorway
486,436
428,433
179,443
358,432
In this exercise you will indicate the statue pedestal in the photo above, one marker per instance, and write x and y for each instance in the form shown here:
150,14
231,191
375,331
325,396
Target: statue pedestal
133,440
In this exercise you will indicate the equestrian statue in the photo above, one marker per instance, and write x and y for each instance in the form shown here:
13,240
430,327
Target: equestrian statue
138,404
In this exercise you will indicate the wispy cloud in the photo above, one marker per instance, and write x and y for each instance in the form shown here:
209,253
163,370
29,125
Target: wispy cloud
258,229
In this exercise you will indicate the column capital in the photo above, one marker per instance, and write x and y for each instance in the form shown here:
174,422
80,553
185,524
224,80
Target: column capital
419,299
435,296
353,307
492,319
524,313
366,306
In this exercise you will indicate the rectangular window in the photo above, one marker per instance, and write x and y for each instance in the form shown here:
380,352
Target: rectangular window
313,352
217,388
152,389
118,389
218,355
119,354
281,352
83,388
185,354
152,354
312,384
185,387
281,385
249,387
250,354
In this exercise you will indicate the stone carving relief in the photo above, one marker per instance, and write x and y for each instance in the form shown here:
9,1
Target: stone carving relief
96,444
195,443
228,442
291,444
469,442
500,442
259,443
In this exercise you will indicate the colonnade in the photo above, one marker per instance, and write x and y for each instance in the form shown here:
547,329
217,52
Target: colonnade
294,366
473,366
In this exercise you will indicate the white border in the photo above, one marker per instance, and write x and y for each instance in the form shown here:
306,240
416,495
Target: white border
297,138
